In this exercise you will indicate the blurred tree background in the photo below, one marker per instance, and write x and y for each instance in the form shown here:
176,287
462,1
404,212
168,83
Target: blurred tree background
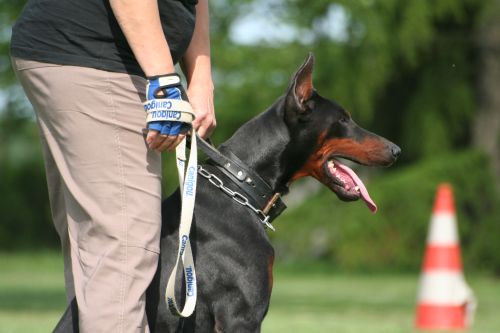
423,73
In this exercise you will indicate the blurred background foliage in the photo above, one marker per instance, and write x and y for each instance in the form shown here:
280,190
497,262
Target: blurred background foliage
423,73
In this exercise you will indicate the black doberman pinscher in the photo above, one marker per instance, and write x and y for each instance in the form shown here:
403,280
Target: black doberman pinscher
301,134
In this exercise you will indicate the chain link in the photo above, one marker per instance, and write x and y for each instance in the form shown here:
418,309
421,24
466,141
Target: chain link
236,196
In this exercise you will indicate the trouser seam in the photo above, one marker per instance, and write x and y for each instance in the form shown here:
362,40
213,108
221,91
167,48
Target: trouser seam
117,142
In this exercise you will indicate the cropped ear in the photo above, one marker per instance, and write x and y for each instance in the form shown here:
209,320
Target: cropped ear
301,86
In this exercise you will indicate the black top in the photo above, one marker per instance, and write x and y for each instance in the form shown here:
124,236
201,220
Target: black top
86,33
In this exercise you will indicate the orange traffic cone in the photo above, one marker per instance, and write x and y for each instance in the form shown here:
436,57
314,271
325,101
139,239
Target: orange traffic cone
445,302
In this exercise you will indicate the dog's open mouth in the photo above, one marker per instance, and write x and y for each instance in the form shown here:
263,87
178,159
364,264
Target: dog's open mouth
346,184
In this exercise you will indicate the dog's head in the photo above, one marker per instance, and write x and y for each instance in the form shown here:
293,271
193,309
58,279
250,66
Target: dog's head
327,132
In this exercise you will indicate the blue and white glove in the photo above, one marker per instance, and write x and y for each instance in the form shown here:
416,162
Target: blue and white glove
167,107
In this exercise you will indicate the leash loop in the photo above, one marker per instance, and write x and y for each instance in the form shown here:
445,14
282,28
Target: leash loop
188,182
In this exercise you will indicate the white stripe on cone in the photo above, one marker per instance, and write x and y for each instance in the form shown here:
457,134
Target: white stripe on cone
444,288
443,230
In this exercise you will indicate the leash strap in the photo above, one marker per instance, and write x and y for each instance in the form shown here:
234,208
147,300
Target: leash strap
188,179
178,110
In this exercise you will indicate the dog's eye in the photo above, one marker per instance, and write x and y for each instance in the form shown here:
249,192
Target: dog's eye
344,120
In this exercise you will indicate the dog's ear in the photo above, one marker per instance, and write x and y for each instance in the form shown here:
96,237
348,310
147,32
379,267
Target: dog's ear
301,87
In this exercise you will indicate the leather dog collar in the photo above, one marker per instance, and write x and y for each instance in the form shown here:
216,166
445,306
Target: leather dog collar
258,191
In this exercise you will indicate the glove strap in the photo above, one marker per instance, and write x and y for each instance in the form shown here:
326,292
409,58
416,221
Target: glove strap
165,81
166,109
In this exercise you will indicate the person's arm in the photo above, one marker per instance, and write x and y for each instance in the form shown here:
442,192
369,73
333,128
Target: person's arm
140,23
197,67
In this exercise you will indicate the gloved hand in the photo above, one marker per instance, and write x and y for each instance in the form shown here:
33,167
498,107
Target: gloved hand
164,114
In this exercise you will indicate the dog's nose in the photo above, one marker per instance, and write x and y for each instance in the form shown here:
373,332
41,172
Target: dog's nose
396,151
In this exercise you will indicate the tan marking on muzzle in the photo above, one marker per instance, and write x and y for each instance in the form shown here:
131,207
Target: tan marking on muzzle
370,151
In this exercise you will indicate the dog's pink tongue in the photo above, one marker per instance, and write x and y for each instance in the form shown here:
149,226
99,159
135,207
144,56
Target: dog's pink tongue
362,188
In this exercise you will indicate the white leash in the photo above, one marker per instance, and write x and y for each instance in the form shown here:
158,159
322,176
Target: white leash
178,110
185,254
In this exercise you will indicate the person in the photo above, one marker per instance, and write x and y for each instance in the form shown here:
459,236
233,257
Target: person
87,67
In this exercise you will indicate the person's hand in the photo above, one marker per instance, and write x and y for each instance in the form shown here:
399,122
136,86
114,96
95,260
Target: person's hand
201,97
166,125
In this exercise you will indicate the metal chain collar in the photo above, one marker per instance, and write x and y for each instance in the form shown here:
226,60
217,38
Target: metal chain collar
236,196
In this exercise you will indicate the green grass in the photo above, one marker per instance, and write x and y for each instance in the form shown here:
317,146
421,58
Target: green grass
32,294
32,299
374,303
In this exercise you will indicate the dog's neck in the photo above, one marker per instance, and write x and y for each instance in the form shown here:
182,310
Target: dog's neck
264,145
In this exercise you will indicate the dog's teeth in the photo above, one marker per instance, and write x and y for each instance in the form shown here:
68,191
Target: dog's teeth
332,166
356,188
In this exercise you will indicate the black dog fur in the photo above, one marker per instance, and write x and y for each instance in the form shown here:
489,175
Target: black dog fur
294,138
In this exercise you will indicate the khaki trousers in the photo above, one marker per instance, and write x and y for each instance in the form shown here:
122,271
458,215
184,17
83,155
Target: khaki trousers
104,186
